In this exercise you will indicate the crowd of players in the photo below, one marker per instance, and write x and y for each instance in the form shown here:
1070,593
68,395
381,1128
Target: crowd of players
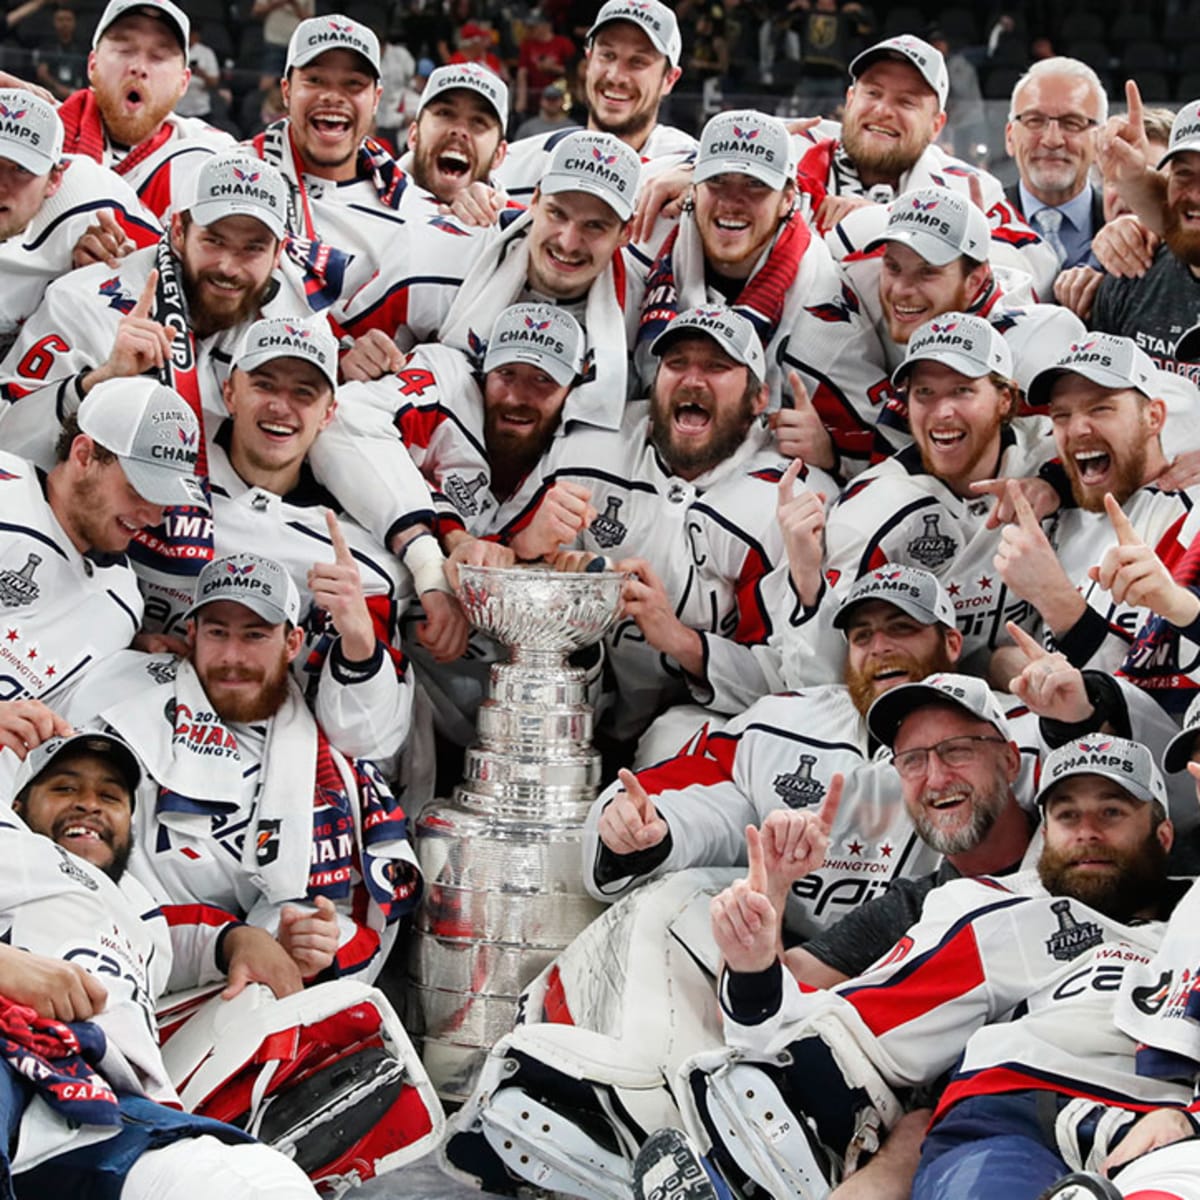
898,465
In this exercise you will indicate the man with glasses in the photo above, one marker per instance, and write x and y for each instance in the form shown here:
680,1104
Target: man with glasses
1056,107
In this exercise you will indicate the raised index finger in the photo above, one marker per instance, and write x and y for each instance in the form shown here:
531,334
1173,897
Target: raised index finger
1133,98
146,299
1026,643
832,801
1126,534
788,480
635,792
756,865
341,551
1026,517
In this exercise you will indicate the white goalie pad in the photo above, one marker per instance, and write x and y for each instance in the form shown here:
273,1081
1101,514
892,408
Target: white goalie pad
327,1076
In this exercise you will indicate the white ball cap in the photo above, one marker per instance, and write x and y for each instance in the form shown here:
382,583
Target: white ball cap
599,164
31,135
473,78
162,10
929,62
966,344
745,143
314,37
1128,764
153,433
1179,749
732,332
306,338
1185,132
1105,359
937,224
655,20
542,335
260,584
235,184
968,692
912,590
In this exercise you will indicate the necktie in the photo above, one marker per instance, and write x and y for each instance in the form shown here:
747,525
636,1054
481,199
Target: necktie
1048,222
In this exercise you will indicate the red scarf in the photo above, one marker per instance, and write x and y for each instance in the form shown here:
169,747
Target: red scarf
83,130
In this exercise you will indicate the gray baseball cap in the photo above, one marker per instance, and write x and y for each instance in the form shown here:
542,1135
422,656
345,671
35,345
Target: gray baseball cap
969,692
1104,359
1185,132
911,589
920,54
260,584
162,10
745,143
1127,763
939,225
106,745
655,20
730,330
1179,749
307,338
234,184
541,334
153,433
335,32
474,78
31,135
599,164
966,344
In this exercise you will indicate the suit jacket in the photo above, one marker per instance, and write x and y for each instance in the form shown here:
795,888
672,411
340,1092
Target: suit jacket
1013,196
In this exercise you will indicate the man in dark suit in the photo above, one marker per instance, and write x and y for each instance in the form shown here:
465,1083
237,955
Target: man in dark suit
1056,108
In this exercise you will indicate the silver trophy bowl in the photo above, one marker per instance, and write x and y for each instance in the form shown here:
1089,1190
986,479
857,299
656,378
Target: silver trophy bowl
502,856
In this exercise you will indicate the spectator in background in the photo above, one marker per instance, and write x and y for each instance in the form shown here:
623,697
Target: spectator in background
708,53
554,112
542,60
62,65
197,101
396,70
279,18
966,123
474,45
827,43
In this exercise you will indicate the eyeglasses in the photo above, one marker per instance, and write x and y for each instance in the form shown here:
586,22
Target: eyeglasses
1072,125
953,752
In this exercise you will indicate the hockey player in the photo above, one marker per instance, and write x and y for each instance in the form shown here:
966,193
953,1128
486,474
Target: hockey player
742,243
919,507
632,62
69,594
124,119
47,205
1103,400
229,747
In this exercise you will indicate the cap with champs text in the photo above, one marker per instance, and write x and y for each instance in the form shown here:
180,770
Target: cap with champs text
169,14
597,163
543,335
1185,133
313,37
474,78
745,143
260,584
655,20
912,590
1178,753
938,225
1127,763
1106,360
306,338
969,345
968,692
153,433
106,745
31,134
730,330
236,185
929,62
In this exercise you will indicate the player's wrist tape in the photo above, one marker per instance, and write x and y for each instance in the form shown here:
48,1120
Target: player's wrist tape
426,562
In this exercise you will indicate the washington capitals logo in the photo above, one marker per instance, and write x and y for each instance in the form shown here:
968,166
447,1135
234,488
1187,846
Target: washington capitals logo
833,312
7,476
537,326
246,176
747,135
188,439
944,328
931,204
448,226
13,114
708,314
293,331
1080,347
476,346
234,569
883,576
1093,747
110,289
337,27
601,157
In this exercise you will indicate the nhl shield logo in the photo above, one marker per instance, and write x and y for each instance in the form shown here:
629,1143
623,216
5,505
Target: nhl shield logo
798,789
1072,937
606,528
932,547
17,588
461,493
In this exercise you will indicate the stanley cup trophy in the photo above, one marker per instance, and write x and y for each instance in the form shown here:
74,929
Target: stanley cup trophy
502,857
